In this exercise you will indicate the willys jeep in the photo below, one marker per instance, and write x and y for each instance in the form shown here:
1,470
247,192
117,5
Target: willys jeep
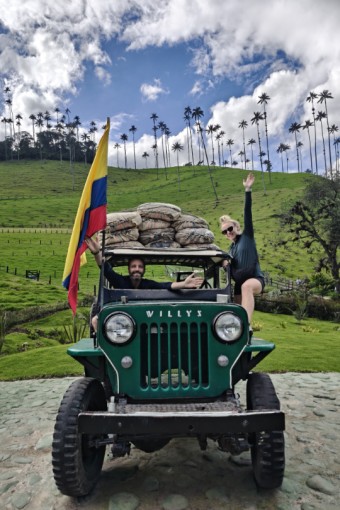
164,364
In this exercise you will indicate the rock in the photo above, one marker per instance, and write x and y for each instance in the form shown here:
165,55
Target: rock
320,484
123,501
175,502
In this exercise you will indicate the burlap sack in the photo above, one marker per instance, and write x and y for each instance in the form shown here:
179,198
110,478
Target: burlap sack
163,245
159,211
120,236
151,223
189,221
194,236
123,220
126,244
154,235
202,247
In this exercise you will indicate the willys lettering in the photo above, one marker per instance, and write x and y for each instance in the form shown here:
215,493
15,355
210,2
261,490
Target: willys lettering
173,313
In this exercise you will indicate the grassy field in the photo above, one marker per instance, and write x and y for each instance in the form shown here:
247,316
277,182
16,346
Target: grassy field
38,203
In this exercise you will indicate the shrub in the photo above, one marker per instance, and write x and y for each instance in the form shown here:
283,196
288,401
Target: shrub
319,308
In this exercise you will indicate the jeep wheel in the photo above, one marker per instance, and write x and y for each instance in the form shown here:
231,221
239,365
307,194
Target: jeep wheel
267,448
77,463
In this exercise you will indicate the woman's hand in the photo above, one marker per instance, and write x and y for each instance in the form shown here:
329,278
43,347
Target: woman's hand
249,181
93,245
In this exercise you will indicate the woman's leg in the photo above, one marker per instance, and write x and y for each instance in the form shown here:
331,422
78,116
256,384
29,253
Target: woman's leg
250,288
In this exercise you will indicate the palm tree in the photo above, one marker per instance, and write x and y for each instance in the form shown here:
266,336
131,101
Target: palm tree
93,130
133,129
263,99
230,142
319,117
33,118
307,125
57,111
154,117
299,145
241,154
285,149
332,130
187,118
336,145
251,142
280,150
145,155
243,124
76,124
117,147
197,113
4,121
310,99
218,138
295,128
86,138
124,139
210,130
323,96
167,133
256,120
11,117
162,127
177,147
222,133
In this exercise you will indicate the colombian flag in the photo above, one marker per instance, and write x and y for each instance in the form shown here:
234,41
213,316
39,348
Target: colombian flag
90,218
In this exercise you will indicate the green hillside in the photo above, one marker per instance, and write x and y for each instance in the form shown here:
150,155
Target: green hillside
39,201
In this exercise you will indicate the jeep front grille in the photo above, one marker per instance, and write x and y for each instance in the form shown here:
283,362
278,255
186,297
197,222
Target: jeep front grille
174,355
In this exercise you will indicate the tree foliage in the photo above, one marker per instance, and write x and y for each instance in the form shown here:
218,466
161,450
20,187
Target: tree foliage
315,220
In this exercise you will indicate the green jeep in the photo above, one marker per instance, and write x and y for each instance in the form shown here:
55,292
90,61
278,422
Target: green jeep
165,364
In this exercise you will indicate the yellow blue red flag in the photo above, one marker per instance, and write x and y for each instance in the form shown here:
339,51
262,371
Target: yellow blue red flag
90,218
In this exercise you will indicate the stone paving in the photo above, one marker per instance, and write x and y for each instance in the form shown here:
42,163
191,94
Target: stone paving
180,476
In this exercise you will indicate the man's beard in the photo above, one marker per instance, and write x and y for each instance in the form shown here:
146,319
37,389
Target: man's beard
136,275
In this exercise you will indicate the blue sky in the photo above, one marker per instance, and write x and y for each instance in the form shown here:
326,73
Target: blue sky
132,58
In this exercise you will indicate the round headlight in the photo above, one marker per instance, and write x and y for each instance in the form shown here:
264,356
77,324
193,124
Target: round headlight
119,328
228,327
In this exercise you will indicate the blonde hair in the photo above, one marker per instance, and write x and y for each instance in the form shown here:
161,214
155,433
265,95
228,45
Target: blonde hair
227,219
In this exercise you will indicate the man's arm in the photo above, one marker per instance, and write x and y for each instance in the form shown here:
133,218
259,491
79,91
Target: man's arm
191,282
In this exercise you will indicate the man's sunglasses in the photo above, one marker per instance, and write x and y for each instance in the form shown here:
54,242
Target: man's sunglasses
229,229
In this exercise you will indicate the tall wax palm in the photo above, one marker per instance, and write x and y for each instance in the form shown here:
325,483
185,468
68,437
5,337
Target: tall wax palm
132,130
332,130
310,99
124,139
218,138
162,126
336,145
295,128
241,154
39,123
85,138
320,116
222,133
307,125
47,118
280,151
4,121
256,120
251,142
243,124
10,109
263,99
230,143
210,131
77,123
57,111
145,155
285,149
187,118
117,147
323,96
93,130
33,118
300,145
177,147
167,133
197,113
154,117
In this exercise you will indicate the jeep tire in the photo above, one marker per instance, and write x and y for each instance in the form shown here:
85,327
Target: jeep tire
77,463
267,447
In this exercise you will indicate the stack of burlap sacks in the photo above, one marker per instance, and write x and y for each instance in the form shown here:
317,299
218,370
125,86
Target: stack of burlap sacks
157,225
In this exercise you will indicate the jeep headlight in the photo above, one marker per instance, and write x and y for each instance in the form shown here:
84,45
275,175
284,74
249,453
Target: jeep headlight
119,328
228,327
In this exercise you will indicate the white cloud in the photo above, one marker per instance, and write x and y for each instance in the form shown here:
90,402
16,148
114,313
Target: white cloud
151,91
